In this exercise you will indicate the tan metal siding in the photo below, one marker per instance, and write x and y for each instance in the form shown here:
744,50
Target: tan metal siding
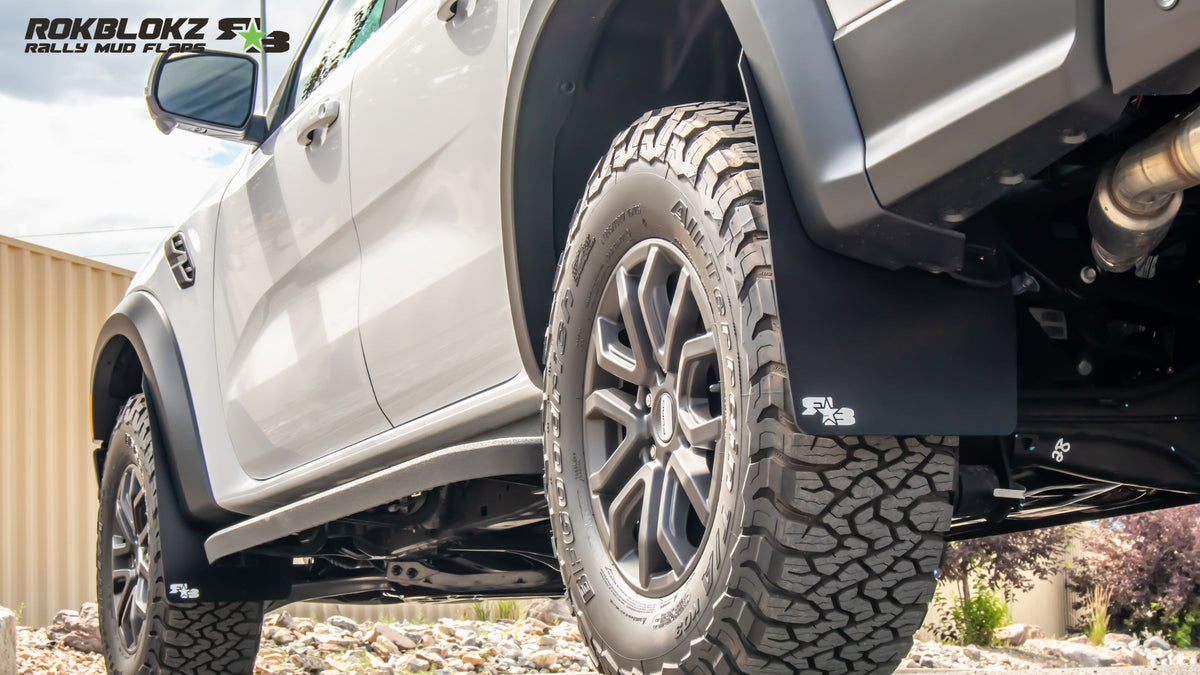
51,308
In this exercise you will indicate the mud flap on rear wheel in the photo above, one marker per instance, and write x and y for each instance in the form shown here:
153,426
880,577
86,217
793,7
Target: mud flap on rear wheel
873,351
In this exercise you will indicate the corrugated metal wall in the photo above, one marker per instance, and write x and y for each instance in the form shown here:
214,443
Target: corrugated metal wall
51,308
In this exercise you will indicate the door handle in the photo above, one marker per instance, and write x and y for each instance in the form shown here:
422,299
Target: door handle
317,119
448,9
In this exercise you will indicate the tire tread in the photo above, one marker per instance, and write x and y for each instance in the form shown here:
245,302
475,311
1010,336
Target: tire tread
834,560
207,637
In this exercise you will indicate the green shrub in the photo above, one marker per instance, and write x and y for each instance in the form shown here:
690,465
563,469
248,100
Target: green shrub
506,609
973,619
481,611
1183,628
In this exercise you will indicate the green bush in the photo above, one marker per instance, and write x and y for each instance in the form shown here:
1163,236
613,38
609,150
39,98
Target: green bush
971,620
481,611
1183,628
506,609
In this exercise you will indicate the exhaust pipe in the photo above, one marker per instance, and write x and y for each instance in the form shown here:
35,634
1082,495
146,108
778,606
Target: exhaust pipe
1138,195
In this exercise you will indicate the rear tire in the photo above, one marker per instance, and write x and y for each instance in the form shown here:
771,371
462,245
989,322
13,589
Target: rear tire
139,630
775,551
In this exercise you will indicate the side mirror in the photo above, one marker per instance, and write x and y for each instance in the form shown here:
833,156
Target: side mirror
210,93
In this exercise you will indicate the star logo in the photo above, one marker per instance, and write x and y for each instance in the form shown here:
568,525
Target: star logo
828,415
831,415
253,37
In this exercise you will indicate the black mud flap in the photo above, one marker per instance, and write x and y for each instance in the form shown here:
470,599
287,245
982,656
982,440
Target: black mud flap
188,576
872,351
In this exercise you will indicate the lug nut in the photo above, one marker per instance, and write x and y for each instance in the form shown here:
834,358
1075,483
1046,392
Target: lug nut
1087,274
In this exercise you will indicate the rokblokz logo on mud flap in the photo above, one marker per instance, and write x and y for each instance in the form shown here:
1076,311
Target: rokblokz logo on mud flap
109,35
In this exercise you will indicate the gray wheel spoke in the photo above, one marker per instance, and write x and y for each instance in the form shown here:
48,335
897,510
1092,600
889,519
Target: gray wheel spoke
680,320
624,514
125,575
611,355
696,352
143,565
141,597
635,328
619,407
650,554
700,431
701,428
672,535
616,466
121,546
616,405
652,296
690,469
126,579
124,519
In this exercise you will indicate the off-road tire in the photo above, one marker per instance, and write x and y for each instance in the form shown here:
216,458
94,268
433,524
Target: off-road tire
822,552
201,638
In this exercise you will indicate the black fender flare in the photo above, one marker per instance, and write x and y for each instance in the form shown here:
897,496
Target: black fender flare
789,47
140,324
187,511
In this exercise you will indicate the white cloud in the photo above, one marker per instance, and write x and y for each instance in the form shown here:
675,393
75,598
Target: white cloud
97,163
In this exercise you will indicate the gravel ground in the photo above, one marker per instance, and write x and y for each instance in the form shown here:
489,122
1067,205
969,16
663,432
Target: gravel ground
1133,670
300,645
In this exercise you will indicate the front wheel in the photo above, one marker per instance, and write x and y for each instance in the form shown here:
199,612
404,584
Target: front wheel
698,529
140,631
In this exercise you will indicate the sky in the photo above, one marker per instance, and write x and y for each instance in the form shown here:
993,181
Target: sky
82,167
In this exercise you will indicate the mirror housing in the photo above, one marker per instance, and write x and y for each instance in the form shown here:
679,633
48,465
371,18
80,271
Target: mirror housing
209,93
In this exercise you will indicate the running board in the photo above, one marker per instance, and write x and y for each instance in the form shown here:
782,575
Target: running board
469,461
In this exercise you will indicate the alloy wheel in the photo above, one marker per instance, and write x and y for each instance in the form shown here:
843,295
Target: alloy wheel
130,559
653,424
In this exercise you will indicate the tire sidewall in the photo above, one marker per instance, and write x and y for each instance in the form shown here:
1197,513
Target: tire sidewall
635,205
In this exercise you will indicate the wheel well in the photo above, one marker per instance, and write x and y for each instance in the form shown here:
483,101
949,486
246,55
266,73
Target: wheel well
117,376
594,69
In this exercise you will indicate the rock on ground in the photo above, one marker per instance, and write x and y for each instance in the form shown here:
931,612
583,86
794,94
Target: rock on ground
1157,643
550,611
1038,653
302,646
1119,640
77,630
8,642
1016,634
1087,655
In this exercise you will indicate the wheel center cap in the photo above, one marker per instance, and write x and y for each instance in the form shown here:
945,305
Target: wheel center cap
664,418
